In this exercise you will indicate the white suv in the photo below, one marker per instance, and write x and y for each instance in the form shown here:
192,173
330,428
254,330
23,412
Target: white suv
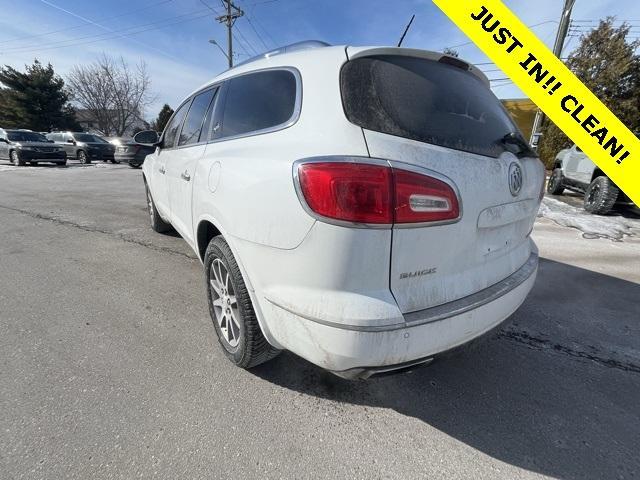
364,208
573,170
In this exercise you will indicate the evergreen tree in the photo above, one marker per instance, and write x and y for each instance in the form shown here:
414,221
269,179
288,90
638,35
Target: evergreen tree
35,99
606,62
163,118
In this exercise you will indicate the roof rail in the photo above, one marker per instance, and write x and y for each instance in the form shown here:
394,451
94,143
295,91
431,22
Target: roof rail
294,47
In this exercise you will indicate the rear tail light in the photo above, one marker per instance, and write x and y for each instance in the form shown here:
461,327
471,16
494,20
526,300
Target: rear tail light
375,194
420,198
352,192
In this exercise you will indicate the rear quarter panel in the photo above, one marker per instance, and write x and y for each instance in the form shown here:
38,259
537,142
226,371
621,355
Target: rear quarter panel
246,184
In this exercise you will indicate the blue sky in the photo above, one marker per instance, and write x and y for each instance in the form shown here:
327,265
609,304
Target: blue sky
171,36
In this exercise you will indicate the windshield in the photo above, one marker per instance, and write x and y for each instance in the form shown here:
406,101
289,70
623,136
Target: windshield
88,138
427,101
26,137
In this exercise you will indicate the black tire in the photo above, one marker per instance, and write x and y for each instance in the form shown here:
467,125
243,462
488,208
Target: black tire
252,348
134,165
16,160
157,223
554,185
82,157
601,196
114,161
61,164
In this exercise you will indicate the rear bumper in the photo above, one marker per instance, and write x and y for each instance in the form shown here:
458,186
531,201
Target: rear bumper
130,158
95,154
357,351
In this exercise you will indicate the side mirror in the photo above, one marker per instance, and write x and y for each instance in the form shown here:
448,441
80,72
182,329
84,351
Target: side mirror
147,137
4,140
72,141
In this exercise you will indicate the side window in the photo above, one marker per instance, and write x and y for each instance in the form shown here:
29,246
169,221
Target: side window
193,124
257,101
209,131
172,129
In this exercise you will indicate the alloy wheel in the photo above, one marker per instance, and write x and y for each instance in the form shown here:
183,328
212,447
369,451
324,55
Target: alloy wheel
225,303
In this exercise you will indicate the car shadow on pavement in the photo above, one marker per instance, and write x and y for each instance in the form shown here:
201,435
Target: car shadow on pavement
551,405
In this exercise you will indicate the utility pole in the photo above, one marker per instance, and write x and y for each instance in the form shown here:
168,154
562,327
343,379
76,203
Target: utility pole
561,35
229,19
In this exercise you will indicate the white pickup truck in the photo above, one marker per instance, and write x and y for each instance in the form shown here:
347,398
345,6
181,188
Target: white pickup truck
573,170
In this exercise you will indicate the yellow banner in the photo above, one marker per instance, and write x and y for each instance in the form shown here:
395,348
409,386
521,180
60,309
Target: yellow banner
552,86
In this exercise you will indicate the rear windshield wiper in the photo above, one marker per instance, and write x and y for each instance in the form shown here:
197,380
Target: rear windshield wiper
514,143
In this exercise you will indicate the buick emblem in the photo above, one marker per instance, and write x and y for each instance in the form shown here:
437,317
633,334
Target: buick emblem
515,178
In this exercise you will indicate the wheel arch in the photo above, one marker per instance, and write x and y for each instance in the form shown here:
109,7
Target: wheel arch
557,162
206,229
597,173
204,233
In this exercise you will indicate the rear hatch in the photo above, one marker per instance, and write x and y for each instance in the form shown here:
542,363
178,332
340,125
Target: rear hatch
433,113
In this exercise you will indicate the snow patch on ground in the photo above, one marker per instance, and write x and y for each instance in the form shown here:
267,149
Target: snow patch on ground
591,226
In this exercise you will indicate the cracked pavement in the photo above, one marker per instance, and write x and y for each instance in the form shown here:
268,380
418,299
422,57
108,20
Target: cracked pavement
109,367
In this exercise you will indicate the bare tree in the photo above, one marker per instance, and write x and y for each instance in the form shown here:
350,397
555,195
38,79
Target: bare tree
115,94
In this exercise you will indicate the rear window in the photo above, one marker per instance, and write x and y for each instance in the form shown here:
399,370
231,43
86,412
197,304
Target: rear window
258,101
424,100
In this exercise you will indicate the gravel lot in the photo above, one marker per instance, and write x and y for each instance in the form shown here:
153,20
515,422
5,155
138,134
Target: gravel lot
109,367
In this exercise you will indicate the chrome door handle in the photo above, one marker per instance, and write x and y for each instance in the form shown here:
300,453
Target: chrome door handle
185,176
162,170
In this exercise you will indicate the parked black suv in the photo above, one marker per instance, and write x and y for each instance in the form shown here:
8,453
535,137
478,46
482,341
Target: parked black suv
84,147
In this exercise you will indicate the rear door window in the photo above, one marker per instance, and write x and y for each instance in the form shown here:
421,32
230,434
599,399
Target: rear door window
258,101
193,123
424,100
172,129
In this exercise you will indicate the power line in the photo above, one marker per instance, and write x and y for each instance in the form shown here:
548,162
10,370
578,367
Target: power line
95,36
75,27
259,23
247,42
256,32
530,26
108,29
241,45
108,35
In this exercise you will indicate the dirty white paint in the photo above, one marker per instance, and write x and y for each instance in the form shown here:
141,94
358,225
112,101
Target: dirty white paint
591,226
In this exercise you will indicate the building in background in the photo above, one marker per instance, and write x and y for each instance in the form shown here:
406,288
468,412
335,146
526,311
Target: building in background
523,111
89,123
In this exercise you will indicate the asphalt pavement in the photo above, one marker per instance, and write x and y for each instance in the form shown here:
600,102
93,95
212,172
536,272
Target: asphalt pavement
109,366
